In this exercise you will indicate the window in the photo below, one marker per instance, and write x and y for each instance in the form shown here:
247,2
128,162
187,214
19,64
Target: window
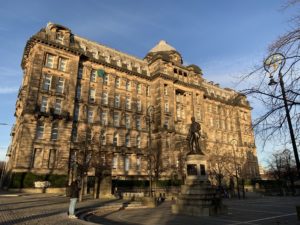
44,104
138,123
138,141
40,130
37,158
95,54
127,140
139,105
127,163
47,82
138,163
116,119
60,85
105,79
54,131
57,106
165,89
148,90
90,116
59,37
127,121
183,112
115,139
80,72
198,115
211,121
119,62
49,61
128,103
78,92
92,95
103,138
166,106
115,162
52,157
88,135
76,113
117,101
74,133
104,118
62,64
128,85
93,75
117,82
198,98
178,112
166,123
105,98
139,88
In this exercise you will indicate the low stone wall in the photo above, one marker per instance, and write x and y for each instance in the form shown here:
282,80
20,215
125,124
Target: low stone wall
61,191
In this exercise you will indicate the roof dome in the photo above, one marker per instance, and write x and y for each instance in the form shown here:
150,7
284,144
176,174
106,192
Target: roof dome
164,51
162,46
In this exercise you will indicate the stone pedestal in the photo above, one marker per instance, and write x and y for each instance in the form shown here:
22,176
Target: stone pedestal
197,197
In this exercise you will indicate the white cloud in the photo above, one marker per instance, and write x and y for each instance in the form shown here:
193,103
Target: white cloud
8,90
9,72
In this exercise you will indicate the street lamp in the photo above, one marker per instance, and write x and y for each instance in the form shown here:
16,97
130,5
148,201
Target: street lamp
8,154
271,65
149,118
234,144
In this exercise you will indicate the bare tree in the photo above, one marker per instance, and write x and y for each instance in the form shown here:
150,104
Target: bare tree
283,169
272,124
219,164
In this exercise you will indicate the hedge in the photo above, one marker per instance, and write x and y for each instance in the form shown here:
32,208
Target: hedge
26,180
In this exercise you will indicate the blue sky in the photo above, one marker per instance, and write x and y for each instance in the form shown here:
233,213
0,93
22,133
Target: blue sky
225,38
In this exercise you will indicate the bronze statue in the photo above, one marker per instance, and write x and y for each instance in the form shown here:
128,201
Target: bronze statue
193,137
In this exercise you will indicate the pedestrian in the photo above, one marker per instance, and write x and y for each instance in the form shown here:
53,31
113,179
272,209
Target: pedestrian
74,195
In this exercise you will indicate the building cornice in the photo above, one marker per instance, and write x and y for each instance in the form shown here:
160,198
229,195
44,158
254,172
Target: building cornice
35,39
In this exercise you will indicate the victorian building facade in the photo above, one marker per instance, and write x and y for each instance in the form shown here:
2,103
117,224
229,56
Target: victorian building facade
83,102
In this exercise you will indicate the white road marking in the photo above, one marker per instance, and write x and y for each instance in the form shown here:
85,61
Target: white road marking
259,211
266,218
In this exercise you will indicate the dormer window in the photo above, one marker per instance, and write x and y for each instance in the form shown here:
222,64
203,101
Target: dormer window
95,55
60,37
119,62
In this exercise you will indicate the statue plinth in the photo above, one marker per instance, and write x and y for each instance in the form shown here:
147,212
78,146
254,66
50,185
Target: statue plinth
197,197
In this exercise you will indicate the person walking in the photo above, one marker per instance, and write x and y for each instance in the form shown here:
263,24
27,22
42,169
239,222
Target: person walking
74,195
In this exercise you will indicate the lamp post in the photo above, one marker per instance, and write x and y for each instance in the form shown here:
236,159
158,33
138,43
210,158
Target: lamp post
8,154
271,64
149,118
234,144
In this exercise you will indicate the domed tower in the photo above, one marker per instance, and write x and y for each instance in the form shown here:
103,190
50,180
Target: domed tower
165,59
165,52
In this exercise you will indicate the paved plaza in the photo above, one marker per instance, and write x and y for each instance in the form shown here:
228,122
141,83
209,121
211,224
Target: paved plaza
51,209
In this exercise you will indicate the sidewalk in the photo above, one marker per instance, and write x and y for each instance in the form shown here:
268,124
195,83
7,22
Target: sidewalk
42,209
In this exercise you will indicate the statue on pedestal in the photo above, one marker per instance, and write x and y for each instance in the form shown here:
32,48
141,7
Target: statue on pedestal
193,137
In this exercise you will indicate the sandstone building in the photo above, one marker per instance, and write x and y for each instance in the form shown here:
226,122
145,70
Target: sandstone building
82,101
